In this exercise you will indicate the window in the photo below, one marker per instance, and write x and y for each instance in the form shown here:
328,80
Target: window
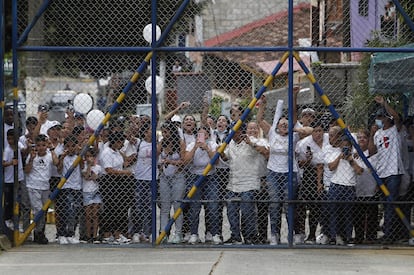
363,7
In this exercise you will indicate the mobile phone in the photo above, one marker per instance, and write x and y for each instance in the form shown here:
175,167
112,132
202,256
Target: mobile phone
201,137
345,150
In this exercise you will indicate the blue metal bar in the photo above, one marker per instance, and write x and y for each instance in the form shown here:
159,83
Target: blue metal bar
2,48
154,159
407,19
290,213
29,27
210,49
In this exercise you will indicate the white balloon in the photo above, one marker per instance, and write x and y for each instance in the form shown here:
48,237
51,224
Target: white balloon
159,84
147,33
82,103
94,118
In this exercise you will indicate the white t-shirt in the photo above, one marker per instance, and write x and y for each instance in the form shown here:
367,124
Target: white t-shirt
388,152
317,155
201,158
344,174
279,148
143,169
129,149
169,170
58,151
243,177
219,138
366,185
91,185
8,156
112,159
330,153
261,159
101,148
38,177
75,179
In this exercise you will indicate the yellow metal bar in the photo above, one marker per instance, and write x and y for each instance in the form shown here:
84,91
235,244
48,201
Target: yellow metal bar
325,100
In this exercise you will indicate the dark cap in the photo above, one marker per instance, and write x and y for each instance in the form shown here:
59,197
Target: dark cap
43,108
78,115
383,113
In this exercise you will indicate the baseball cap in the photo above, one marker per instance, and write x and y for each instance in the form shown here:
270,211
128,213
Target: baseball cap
307,111
176,118
381,112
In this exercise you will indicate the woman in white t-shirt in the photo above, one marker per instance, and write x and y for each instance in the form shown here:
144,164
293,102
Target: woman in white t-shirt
172,178
115,191
278,163
345,170
198,155
140,226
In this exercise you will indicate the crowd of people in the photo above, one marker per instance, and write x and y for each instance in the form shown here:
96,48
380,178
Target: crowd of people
109,196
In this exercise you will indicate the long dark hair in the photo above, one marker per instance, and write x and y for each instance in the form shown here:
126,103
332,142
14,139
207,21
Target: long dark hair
174,141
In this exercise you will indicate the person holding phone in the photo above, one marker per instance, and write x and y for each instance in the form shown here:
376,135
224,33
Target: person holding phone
345,170
198,155
310,157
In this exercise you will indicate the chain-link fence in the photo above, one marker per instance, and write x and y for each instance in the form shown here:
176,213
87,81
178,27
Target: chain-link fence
293,172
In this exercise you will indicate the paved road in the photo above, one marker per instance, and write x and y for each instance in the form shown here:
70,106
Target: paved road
88,259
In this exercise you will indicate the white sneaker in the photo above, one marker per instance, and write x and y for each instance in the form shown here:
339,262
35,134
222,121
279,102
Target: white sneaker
216,239
298,238
187,237
194,239
73,240
63,240
108,240
274,239
176,239
144,238
136,238
322,239
411,242
339,240
9,224
122,239
208,237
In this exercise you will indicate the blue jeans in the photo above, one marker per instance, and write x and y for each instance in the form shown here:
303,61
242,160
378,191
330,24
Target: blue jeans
278,192
172,190
68,204
341,215
209,190
141,212
390,217
242,203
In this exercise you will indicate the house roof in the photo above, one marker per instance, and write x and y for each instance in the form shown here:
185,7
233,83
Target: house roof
271,31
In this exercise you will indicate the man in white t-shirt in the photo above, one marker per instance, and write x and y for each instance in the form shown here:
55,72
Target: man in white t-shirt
385,143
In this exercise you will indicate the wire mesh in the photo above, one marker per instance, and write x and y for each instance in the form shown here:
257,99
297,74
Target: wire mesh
248,197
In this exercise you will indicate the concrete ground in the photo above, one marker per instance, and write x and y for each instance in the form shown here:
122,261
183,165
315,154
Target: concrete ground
98,259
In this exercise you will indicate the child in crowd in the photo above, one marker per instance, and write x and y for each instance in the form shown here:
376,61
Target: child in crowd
69,200
37,169
9,161
92,200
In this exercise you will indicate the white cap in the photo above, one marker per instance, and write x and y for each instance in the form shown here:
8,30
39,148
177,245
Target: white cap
176,118
307,111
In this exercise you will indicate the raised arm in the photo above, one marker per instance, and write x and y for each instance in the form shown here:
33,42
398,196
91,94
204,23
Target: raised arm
180,107
260,116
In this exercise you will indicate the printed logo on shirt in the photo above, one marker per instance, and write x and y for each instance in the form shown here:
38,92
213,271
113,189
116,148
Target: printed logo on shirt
386,142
